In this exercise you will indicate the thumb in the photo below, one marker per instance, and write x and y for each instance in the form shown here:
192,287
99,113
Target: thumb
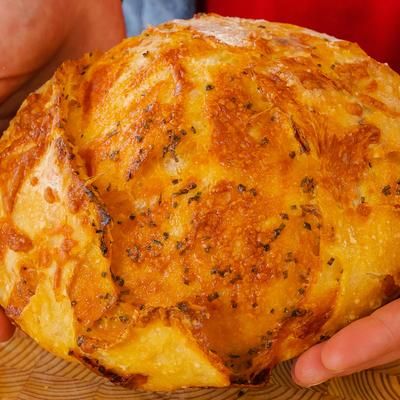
365,343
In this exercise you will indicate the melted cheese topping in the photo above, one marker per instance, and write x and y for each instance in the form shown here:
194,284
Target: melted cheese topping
211,197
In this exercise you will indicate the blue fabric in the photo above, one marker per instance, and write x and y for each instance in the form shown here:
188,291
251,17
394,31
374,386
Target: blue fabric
140,13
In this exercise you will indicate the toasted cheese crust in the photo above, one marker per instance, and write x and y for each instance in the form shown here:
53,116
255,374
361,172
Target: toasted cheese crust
202,202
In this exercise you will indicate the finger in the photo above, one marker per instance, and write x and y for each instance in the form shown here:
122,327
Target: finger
386,359
365,340
6,328
366,343
308,369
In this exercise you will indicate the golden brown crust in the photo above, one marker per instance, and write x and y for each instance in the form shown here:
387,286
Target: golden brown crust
229,192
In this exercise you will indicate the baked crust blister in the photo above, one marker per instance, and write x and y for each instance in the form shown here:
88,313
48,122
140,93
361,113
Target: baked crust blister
202,202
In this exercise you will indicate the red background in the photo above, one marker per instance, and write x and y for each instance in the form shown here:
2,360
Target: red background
373,24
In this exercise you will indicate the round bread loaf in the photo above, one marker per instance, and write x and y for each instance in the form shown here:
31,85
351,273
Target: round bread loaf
202,202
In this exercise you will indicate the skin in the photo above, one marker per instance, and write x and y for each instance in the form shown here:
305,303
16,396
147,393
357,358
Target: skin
40,35
366,343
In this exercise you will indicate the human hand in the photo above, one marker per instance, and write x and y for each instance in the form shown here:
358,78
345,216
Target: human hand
6,329
37,36
366,343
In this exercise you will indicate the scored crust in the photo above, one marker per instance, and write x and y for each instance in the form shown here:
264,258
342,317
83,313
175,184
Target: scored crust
202,202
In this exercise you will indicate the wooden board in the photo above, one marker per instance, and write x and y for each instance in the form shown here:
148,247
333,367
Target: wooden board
29,373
